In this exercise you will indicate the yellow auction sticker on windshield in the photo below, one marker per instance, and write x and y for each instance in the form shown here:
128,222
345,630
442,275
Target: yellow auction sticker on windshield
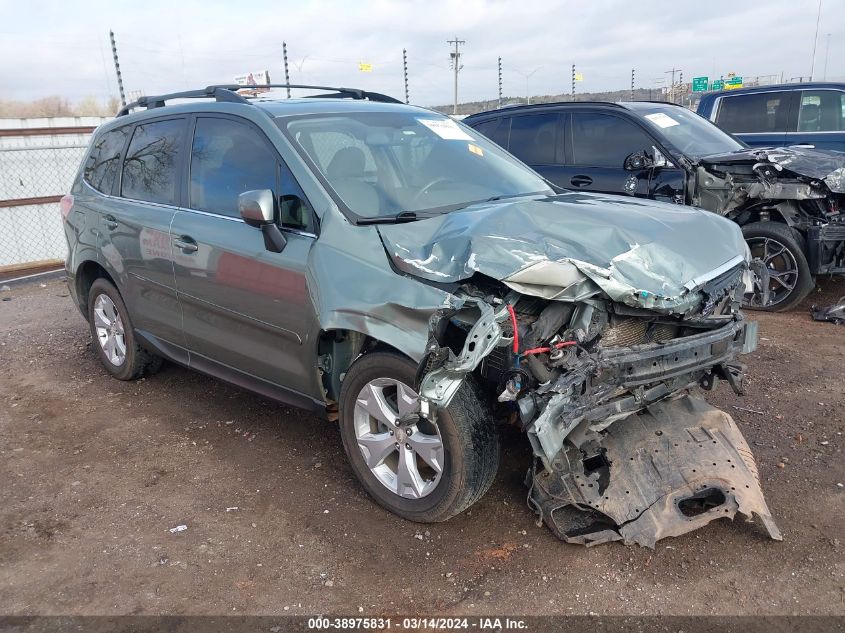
475,149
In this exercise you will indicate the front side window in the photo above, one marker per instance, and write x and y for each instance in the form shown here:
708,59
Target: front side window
534,138
755,113
228,158
822,111
414,161
604,140
150,168
103,162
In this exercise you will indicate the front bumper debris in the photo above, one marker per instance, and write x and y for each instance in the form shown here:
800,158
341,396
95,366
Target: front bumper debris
669,470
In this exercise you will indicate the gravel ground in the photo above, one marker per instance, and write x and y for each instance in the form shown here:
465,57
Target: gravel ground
97,472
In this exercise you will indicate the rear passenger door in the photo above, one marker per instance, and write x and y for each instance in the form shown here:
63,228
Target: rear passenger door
537,140
760,119
246,309
134,230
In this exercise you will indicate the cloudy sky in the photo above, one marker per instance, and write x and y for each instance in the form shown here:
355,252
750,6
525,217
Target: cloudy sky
49,48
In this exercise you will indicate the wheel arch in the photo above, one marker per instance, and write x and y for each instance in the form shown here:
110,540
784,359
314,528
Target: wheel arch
338,348
86,274
779,211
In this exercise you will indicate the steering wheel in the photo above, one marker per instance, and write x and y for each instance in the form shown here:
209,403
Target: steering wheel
430,186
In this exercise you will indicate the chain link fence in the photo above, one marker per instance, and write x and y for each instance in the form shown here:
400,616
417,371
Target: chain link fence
38,161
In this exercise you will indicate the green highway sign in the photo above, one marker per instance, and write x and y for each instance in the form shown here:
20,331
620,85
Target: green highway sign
733,83
718,84
699,84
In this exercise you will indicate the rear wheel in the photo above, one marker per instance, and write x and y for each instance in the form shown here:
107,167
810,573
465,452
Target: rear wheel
115,341
780,248
421,470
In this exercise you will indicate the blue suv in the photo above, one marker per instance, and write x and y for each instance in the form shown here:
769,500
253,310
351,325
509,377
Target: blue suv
809,114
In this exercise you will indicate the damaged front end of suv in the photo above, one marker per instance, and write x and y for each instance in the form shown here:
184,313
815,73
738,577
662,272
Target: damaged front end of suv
595,338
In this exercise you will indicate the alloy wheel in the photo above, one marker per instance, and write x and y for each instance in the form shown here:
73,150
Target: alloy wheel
403,450
782,267
110,331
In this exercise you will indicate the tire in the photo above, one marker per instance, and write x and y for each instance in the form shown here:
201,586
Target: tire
470,444
782,249
105,302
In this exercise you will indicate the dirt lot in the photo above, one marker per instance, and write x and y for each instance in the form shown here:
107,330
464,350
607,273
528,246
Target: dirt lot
95,472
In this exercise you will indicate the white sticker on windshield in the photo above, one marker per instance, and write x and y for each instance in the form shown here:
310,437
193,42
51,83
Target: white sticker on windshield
446,128
663,120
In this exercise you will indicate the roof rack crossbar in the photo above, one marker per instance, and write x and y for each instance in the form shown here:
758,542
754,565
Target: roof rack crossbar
229,93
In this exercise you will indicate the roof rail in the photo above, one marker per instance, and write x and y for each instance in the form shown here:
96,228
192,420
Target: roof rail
229,92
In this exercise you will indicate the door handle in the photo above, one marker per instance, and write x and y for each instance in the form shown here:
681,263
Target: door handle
111,222
581,181
186,243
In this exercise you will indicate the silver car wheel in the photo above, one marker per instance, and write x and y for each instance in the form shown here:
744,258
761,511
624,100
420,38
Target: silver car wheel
404,452
110,332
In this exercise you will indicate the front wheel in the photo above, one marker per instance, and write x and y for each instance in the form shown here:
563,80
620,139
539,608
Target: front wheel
780,248
421,470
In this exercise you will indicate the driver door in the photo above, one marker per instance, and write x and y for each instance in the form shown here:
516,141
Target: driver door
599,143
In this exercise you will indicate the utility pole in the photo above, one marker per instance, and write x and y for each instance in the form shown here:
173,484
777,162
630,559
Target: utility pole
573,82
680,84
287,74
632,84
456,66
500,78
405,70
117,68
815,41
672,85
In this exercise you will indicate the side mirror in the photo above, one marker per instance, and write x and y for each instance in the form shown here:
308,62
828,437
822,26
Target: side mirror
258,209
638,161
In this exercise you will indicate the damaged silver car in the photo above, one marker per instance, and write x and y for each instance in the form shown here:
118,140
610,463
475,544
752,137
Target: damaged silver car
392,269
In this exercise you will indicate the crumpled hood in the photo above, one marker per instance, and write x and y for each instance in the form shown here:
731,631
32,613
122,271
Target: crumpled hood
640,252
812,163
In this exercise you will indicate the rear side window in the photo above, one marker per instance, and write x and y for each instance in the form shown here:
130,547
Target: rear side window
533,138
228,158
603,140
103,162
762,112
150,168
822,111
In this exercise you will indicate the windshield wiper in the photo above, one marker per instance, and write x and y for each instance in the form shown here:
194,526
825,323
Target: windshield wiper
403,216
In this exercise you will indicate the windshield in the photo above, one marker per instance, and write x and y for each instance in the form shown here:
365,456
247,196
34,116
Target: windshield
690,133
382,164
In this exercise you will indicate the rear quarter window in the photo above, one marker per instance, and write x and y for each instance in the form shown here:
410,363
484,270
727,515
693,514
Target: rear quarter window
151,165
103,163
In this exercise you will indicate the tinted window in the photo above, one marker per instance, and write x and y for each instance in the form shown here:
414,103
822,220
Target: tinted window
150,168
104,160
488,128
822,111
228,158
603,140
534,138
760,112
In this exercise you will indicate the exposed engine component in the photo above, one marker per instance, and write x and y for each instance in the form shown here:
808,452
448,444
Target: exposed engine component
602,389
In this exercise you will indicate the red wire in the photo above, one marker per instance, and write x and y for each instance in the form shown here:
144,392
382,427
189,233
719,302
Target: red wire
543,350
515,329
